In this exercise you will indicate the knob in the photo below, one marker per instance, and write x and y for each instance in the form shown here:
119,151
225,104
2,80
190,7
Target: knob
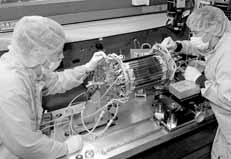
99,46
79,156
89,154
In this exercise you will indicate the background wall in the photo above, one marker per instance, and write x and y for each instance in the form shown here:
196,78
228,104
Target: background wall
72,11
78,53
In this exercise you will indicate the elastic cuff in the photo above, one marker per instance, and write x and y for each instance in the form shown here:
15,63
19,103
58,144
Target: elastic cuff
178,47
201,81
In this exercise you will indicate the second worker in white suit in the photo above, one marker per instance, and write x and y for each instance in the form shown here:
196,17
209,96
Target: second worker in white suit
211,38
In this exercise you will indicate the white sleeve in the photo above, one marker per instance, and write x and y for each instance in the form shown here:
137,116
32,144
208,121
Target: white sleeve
60,82
219,91
187,48
17,134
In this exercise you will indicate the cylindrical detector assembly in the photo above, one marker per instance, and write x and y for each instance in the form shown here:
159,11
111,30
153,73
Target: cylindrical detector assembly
147,70
150,70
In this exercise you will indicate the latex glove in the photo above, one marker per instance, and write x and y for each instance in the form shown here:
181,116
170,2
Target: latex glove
95,60
191,74
199,64
169,43
74,143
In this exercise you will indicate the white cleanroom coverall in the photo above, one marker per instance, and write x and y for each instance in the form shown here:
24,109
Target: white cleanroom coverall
218,91
21,110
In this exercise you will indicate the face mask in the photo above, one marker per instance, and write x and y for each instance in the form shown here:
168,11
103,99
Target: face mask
54,65
198,43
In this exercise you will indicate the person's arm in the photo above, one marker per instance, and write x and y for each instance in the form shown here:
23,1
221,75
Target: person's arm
60,82
16,133
185,47
219,93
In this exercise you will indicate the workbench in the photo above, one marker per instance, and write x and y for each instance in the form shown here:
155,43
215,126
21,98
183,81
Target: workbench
137,136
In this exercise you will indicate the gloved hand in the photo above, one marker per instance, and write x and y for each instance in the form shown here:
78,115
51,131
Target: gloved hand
74,143
95,60
191,74
198,64
169,43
